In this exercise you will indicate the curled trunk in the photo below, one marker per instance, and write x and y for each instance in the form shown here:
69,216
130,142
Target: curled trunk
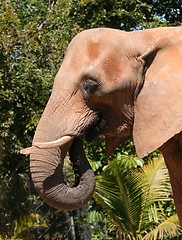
46,166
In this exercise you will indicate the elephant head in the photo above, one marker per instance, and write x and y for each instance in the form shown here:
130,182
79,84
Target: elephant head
113,83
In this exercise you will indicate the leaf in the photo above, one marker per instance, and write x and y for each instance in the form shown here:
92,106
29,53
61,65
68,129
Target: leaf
168,228
156,176
134,197
94,216
23,225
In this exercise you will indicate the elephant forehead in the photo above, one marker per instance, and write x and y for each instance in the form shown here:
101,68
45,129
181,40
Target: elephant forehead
93,49
104,55
96,53
92,42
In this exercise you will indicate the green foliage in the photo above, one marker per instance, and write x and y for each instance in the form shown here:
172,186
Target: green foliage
134,198
169,227
21,229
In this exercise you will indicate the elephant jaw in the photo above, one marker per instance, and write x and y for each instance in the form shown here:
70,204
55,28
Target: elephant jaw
47,174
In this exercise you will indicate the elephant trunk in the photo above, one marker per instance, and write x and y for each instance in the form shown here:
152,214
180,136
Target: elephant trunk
46,166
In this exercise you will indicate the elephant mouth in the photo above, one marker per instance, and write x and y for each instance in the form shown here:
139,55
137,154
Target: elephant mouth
96,128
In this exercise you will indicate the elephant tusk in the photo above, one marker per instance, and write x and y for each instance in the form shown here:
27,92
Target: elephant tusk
53,144
46,145
27,150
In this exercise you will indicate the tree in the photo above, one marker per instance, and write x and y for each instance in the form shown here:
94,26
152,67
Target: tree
29,60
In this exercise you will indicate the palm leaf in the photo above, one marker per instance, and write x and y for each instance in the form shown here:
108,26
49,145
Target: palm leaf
157,180
157,189
118,192
134,198
168,228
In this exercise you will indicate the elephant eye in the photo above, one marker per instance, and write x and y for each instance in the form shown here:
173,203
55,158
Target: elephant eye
90,86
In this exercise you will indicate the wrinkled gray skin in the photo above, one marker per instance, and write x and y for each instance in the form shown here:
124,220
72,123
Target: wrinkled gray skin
113,83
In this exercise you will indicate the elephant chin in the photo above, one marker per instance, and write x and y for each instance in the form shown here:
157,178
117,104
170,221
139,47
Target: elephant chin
46,167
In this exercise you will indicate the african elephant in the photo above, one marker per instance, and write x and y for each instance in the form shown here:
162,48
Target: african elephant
117,84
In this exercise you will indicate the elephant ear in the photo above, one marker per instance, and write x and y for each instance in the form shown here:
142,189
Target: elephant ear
158,107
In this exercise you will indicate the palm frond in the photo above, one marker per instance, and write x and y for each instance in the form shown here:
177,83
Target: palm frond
118,191
168,228
157,181
134,198
157,189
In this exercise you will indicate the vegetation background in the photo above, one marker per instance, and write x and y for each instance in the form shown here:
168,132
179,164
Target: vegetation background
33,37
